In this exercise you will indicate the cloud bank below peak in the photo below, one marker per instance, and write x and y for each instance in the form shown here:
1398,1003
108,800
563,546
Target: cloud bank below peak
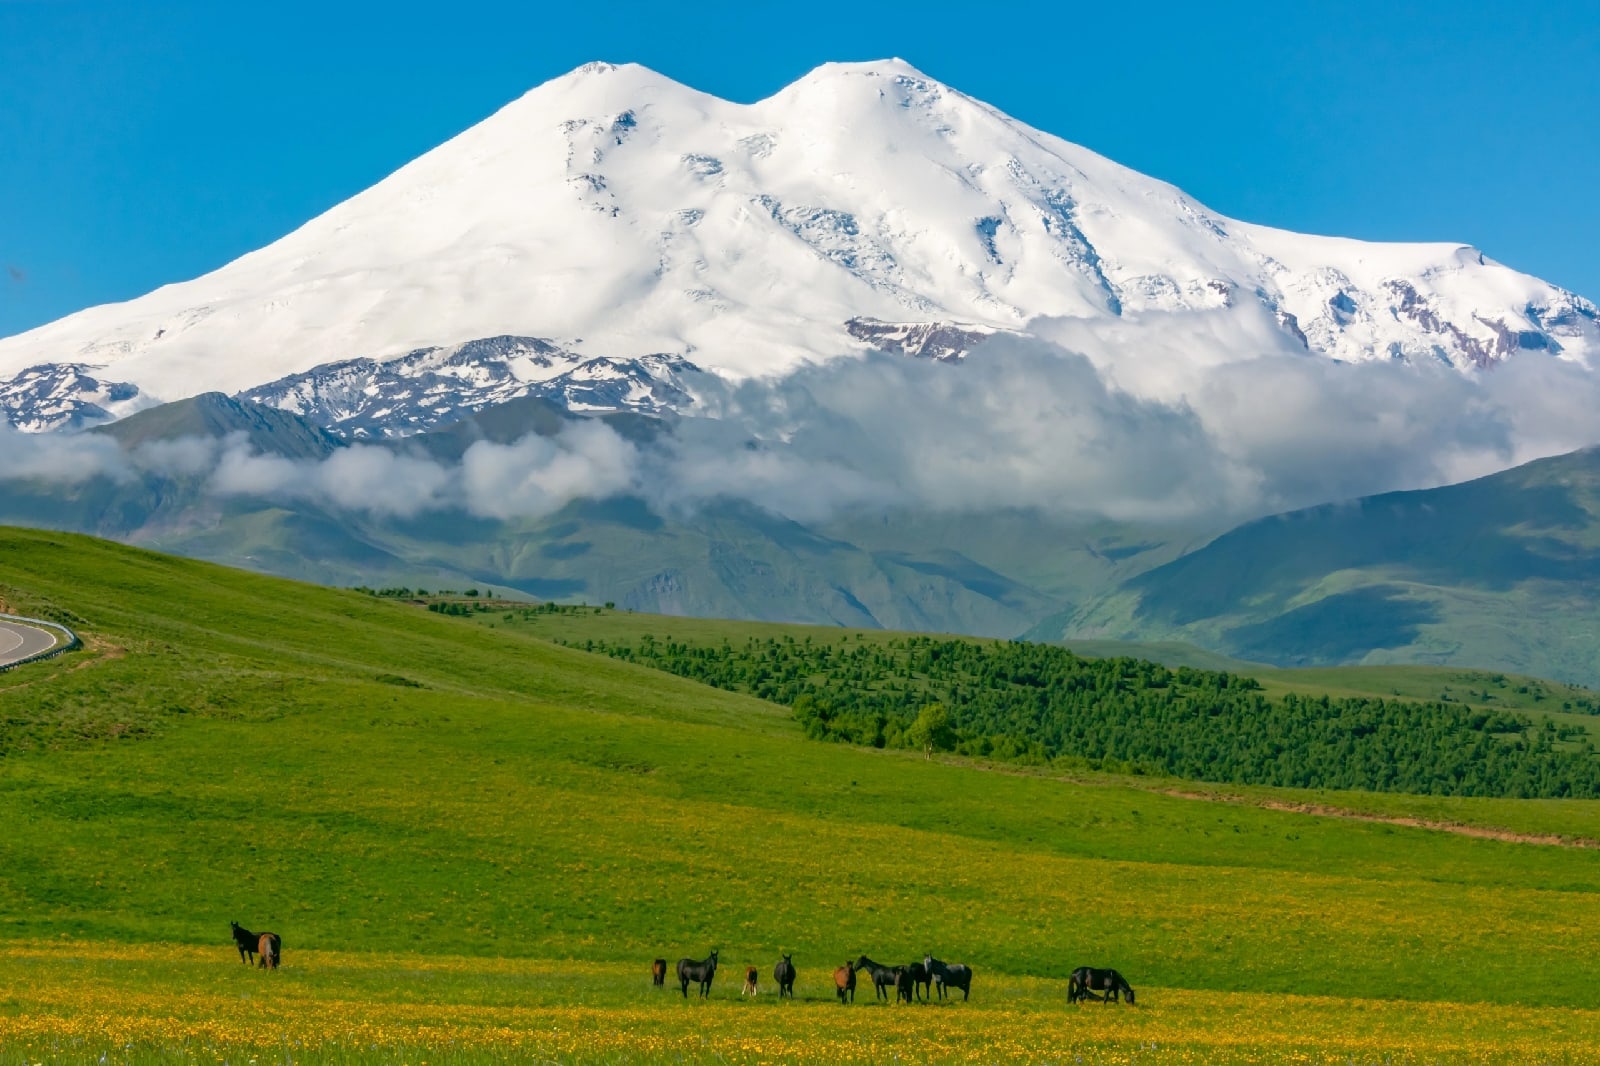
1171,417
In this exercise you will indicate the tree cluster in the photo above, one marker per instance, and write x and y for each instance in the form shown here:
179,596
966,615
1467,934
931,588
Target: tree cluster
1036,703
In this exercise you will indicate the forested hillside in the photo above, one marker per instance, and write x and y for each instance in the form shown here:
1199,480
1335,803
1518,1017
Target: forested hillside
1037,703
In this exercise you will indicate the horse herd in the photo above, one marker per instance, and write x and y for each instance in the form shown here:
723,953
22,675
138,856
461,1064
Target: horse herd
914,981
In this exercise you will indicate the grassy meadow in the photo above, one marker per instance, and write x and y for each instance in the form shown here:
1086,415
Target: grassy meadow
473,841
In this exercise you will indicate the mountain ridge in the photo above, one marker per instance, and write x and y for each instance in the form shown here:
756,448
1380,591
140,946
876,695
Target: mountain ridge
1502,572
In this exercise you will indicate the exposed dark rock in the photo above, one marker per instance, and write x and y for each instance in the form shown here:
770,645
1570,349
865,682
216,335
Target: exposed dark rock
947,342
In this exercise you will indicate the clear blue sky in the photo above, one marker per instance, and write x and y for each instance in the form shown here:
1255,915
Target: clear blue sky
142,143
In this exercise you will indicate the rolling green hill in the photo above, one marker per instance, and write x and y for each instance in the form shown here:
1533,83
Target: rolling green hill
1501,573
333,763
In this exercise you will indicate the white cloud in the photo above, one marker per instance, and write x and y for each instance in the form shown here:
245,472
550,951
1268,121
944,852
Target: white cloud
62,458
539,475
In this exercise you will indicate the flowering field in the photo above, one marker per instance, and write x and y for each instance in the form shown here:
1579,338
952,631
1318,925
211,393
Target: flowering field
98,1003
364,778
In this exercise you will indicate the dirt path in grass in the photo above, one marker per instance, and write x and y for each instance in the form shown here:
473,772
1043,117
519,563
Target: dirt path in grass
1323,810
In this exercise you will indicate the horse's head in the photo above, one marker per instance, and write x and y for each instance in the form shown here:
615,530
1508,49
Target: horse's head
713,958
1129,990
927,963
788,958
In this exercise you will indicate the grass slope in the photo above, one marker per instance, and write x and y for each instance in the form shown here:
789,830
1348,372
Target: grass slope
358,774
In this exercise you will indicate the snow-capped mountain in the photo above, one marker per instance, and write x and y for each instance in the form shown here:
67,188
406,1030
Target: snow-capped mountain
623,215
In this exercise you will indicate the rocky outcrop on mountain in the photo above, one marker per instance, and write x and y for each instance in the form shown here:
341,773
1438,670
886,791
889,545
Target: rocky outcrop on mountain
63,396
946,342
367,398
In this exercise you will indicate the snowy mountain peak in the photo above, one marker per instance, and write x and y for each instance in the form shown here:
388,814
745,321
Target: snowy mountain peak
625,215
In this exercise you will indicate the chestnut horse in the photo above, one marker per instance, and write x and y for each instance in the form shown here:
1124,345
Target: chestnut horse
269,947
844,982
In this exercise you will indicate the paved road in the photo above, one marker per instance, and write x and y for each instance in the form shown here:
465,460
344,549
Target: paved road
18,641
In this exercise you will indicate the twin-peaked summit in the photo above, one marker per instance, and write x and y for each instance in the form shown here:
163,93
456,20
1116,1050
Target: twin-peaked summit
619,214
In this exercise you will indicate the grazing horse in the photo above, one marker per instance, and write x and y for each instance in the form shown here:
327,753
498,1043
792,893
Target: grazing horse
658,972
844,982
700,972
783,973
269,946
883,977
952,975
921,979
1085,981
246,942
750,988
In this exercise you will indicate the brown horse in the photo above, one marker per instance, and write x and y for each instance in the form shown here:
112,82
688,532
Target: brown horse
269,947
750,988
658,972
844,982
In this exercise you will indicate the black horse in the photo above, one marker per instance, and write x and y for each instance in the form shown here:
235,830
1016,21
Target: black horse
1086,981
700,972
921,980
783,973
883,977
246,942
903,984
952,975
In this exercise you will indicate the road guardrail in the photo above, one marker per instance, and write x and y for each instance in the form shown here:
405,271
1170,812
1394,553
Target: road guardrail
60,648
